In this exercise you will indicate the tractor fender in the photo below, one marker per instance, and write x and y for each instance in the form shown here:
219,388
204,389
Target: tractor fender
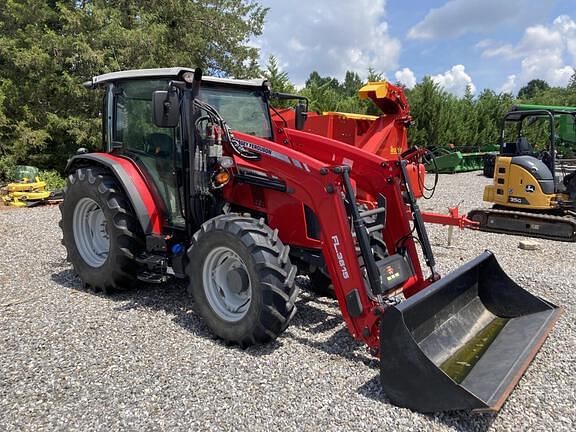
132,181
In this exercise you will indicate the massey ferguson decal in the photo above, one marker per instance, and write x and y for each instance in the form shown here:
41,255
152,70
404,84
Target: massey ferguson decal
240,146
246,149
341,262
249,147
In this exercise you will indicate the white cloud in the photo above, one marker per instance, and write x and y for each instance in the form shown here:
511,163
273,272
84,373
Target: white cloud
484,43
505,51
509,84
455,80
548,66
406,77
328,38
535,39
543,50
567,27
458,17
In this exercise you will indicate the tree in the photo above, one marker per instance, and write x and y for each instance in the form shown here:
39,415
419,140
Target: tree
572,82
278,79
531,89
316,80
352,83
427,101
328,94
49,48
374,76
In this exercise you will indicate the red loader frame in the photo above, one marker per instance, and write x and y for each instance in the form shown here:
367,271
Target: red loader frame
311,167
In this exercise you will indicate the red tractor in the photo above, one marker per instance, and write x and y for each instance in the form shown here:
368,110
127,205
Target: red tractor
197,183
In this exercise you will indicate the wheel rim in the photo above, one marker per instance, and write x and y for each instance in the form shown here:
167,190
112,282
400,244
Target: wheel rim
227,284
91,232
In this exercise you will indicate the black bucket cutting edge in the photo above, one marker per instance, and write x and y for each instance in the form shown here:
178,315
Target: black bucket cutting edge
464,342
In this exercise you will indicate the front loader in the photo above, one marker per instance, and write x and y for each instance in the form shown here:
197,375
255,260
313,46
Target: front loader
197,183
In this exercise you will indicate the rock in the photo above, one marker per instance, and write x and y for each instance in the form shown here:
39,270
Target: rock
529,245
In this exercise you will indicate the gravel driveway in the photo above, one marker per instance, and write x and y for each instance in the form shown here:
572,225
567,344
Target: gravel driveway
74,360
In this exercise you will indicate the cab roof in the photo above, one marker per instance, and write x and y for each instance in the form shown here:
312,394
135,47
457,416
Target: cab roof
173,72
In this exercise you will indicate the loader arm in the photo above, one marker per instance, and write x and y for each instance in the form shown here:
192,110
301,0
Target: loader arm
320,186
374,176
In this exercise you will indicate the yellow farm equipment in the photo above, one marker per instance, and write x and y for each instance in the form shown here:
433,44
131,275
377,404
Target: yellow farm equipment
28,191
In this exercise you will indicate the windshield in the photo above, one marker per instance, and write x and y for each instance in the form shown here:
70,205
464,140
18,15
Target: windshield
244,110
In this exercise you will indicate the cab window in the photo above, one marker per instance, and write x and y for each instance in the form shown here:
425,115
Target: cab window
244,109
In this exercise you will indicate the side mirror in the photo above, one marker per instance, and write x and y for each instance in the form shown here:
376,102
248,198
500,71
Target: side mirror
166,109
301,116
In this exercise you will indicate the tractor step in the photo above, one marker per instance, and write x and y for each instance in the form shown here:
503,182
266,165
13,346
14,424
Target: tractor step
154,268
464,342
374,228
551,227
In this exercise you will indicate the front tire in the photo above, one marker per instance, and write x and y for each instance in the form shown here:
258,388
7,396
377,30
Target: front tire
100,230
241,279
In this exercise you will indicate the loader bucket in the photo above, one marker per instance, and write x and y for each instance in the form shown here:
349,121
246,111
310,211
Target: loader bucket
464,342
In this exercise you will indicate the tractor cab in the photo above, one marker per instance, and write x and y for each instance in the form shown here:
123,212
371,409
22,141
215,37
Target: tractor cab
129,129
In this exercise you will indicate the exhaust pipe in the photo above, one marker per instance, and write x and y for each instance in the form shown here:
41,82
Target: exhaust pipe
464,342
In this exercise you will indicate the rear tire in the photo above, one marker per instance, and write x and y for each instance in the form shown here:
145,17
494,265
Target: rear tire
100,230
241,279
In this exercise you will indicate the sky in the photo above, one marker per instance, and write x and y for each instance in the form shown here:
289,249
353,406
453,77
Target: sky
495,44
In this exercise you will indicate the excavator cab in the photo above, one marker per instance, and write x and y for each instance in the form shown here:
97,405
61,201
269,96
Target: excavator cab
533,189
532,134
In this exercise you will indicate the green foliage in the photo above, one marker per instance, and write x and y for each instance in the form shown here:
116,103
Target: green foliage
328,94
279,81
53,179
533,88
7,169
48,48
572,83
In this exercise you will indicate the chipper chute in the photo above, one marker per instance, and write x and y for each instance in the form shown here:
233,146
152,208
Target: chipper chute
464,342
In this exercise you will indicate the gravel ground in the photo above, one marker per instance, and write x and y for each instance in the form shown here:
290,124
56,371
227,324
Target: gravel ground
72,359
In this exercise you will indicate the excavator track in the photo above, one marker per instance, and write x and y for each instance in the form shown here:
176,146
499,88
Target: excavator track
546,226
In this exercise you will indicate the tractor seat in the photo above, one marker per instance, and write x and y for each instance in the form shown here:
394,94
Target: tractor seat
523,147
519,148
159,144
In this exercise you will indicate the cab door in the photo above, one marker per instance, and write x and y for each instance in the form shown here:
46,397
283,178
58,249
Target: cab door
157,151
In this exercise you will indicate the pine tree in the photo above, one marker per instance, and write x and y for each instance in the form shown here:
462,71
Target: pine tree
278,79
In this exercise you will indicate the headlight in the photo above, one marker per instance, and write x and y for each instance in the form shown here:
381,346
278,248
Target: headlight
226,162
